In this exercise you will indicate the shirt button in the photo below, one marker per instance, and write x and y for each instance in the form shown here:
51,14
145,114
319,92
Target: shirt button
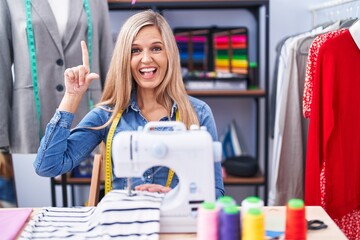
149,177
60,62
60,88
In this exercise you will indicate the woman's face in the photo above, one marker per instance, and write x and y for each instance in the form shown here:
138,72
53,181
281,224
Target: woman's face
148,58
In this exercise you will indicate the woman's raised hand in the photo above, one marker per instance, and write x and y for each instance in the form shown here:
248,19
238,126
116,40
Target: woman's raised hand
78,79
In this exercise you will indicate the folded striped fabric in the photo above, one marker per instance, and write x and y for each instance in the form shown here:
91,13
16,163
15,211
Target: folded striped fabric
117,216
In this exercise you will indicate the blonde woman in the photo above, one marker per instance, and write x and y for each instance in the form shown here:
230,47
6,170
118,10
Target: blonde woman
144,83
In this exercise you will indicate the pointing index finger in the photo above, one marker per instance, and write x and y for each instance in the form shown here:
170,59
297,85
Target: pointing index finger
85,54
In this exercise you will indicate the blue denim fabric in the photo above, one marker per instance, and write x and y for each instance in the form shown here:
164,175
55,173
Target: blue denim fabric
7,190
62,149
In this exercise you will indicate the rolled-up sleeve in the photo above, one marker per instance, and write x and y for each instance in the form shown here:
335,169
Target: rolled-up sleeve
57,131
61,149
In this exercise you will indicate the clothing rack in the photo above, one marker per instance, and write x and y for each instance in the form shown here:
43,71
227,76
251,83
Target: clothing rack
335,10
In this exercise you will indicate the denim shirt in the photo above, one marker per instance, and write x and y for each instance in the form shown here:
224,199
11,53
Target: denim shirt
62,149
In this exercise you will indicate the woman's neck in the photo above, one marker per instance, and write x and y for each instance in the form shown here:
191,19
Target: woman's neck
149,107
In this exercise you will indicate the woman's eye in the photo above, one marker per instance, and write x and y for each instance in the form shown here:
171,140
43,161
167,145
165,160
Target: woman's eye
135,50
156,49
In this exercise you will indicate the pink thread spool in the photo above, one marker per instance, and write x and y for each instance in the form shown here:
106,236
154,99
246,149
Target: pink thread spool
207,222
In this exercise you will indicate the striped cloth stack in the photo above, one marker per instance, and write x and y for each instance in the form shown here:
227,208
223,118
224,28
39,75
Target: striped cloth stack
117,216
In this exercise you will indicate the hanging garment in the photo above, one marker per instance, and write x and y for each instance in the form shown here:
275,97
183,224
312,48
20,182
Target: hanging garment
327,27
19,124
117,216
290,128
274,84
332,160
290,135
311,66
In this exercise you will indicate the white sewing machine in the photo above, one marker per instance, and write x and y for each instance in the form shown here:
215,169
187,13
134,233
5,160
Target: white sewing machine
190,153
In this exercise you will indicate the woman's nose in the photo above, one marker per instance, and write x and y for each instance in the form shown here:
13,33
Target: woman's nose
146,57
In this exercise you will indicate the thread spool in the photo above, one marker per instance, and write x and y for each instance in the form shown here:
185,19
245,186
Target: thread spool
207,222
229,226
253,225
251,202
296,226
224,201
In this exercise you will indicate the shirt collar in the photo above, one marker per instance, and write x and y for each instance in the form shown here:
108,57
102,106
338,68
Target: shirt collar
355,32
135,107
133,104
173,109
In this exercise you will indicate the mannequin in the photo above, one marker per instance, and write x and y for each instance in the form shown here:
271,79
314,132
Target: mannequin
58,27
20,125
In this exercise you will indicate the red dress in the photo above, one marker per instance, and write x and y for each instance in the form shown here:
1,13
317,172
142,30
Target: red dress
332,176
311,66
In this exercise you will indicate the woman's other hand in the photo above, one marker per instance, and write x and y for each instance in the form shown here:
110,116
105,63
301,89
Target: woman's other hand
153,188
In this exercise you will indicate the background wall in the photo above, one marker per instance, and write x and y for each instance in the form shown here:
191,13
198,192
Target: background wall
287,17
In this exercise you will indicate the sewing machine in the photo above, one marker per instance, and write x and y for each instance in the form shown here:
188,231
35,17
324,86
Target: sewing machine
190,153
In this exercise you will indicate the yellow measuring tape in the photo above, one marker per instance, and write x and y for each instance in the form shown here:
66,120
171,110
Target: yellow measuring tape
108,163
171,172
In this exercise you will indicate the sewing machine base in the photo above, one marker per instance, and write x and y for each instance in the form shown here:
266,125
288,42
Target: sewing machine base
178,224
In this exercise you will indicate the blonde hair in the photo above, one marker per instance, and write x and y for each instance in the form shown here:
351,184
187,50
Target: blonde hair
119,82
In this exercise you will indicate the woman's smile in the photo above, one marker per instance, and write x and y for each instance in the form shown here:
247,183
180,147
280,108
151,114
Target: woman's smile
148,72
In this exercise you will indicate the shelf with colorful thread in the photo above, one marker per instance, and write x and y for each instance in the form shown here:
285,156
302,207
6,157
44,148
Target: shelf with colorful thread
231,51
193,48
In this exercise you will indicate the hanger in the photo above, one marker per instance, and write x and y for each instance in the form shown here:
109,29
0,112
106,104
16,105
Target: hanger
348,22
355,32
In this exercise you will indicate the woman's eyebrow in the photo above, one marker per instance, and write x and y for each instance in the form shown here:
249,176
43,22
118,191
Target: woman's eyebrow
155,42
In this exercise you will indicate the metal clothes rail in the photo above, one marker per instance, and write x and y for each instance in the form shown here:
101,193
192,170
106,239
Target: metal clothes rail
335,10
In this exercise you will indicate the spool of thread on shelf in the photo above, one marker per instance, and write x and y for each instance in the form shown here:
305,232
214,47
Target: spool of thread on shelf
253,75
296,226
230,223
251,202
253,225
207,222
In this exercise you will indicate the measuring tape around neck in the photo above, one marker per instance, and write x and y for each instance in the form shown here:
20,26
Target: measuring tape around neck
89,42
90,30
171,172
32,53
108,162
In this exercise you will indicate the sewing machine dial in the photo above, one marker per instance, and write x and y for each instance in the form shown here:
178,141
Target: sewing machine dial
159,150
